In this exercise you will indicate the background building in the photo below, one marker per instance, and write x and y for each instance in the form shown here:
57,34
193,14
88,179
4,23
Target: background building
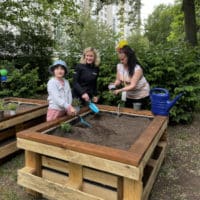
108,14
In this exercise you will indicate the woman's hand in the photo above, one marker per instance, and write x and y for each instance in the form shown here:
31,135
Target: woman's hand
85,96
116,92
95,99
71,110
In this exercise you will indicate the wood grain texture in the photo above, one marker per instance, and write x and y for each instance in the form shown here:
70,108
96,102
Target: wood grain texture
57,191
8,149
102,164
88,173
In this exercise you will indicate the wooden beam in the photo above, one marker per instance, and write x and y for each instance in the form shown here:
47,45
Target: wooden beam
33,161
8,149
132,189
88,173
122,156
102,164
54,190
26,100
156,164
22,118
148,140
75,176
4,134
123,110
90,188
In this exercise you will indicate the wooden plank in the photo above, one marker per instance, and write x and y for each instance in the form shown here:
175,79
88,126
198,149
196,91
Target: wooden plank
104,193
7,133
156,166
21,118
151,149
89,188
47,125
8,149
132,189
100,177
54,190
120,188
102,164
75,176
33,161
118,155
26,100
58,165
123,110
148,140
88,174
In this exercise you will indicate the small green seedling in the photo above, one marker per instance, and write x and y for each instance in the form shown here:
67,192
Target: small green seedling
66,127
12,106
76,102
2,107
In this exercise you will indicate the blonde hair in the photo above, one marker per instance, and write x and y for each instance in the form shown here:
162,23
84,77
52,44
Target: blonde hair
97,59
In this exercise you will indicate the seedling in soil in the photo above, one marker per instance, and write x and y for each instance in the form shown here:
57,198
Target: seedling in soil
2,107
76,102
12,106
66,127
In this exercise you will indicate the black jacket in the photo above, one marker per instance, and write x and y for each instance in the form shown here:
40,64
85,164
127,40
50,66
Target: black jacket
85,80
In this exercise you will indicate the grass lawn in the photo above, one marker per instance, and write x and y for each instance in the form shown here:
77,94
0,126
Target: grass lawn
178,179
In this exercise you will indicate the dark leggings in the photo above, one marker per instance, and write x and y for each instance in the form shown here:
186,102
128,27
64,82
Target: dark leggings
145,102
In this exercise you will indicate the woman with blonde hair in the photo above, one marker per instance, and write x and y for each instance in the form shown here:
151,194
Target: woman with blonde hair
85,76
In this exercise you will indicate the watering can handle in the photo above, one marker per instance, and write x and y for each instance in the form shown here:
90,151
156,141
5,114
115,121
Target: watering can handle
159,89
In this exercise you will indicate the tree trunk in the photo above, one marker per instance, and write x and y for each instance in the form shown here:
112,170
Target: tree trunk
190,21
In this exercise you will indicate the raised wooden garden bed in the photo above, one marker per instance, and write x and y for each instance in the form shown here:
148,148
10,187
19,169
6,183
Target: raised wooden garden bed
30,112
117,159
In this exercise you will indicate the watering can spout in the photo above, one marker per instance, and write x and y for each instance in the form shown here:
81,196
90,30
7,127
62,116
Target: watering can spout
170,104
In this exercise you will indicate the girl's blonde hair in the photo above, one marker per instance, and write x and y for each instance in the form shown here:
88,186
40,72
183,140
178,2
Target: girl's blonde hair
97,59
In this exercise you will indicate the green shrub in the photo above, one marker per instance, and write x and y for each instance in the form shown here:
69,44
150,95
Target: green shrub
21,83
178,70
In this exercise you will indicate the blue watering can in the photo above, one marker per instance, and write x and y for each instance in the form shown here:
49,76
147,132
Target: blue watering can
93,107
160,101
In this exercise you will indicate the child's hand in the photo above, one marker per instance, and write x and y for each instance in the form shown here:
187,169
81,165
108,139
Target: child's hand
71,110
86,97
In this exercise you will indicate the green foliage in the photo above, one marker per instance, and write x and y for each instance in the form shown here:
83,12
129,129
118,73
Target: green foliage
76,102
21,83
30,31
157,28
139,42
177,24
2,107
66,127
178,70
11,106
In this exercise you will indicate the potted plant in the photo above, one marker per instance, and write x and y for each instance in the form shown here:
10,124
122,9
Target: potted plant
2,107
12,107
76,103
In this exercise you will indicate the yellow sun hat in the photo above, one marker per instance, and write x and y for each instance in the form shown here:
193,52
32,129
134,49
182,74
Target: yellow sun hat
121,44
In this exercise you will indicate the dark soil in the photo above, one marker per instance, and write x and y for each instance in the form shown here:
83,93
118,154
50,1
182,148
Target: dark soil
107,130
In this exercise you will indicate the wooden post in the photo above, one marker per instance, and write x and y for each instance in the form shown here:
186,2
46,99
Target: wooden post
132,189
33,160
75,176
119,188
164,136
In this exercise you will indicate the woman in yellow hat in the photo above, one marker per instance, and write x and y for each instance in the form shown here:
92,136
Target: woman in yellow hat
134,86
